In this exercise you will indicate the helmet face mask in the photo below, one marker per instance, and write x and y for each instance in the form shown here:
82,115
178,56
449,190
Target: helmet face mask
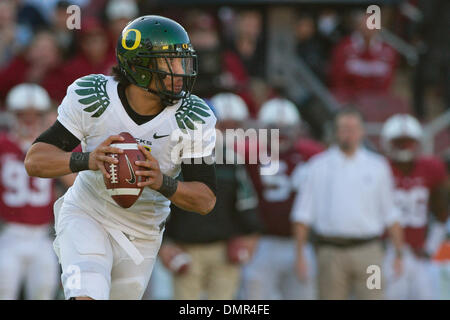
29,117
403,149
173,74
287,135
401,138
28,103
155,53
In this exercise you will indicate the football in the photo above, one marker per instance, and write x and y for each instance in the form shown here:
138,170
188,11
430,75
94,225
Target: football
122,185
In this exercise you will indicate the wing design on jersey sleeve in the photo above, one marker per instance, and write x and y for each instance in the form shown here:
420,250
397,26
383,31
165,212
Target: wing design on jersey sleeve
93,94
192,110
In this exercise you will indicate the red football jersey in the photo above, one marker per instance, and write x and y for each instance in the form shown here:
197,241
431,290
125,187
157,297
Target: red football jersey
356,67
23,199
412,194
277,192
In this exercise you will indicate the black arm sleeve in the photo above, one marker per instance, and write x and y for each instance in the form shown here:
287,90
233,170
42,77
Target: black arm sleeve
59,136
203,172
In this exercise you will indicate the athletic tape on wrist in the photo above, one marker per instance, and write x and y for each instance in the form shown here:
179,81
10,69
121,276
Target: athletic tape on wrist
79,161
168,187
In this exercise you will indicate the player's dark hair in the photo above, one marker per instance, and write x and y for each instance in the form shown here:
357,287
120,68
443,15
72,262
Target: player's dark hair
119,76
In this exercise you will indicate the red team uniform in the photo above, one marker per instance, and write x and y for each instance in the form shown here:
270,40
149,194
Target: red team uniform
24,199
277,192
412,197
26,209
271,272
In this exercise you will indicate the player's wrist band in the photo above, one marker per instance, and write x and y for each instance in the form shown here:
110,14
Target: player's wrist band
79,161
168,187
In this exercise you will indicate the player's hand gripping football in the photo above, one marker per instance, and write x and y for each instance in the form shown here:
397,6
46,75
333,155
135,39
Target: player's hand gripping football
153,176
98,157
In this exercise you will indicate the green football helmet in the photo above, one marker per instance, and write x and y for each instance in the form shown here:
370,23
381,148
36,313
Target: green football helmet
152,48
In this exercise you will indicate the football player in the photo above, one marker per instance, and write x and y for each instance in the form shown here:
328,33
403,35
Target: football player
107,252
26,252
271,272
205,253
420,189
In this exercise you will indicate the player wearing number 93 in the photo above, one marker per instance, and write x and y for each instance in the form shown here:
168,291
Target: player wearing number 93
106,251
26,252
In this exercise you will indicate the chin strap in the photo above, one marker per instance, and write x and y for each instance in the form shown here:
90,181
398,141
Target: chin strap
165,101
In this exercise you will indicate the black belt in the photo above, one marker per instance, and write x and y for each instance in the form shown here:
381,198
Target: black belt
343,242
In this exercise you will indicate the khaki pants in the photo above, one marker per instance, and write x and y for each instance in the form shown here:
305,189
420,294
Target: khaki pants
343,271
210,273
270,274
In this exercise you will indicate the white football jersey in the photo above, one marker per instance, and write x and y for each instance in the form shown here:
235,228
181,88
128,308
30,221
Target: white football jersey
92,111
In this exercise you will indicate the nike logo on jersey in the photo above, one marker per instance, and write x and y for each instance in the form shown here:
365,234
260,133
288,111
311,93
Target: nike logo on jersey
155,136
132,179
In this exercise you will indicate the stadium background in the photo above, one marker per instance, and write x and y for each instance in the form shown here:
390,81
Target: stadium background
257,49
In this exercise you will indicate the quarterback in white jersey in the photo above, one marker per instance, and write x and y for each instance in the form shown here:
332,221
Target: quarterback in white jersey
106,251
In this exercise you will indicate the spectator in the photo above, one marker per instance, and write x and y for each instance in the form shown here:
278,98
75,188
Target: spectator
93,57
218,243
347,199
329,28
206,41
95,8
118,14
248,42
64,36
13,36
271,272
245,60
40,64
309,46
432,75
361,63
45,9
30,14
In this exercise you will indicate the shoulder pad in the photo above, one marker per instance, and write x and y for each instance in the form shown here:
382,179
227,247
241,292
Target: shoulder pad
91,93
193,111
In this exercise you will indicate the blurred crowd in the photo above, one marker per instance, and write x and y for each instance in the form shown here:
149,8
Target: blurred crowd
356,64
253,245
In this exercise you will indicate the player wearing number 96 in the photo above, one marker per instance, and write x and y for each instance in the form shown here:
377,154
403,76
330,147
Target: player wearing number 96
113,249
419,189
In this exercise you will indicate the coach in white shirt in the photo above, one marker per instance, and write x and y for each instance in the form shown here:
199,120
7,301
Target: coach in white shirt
347,199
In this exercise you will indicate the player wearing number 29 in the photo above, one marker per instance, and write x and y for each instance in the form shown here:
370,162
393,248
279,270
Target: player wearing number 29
106,251
26,253
419,189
